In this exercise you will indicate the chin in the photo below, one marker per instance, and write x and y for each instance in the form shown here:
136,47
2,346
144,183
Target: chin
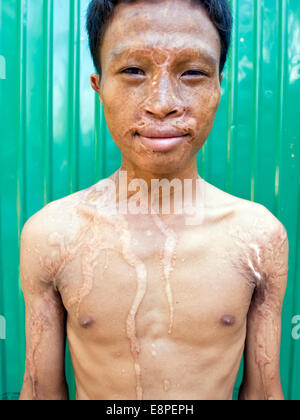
160,166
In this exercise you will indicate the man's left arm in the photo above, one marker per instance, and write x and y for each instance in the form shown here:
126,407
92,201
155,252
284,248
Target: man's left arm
262,348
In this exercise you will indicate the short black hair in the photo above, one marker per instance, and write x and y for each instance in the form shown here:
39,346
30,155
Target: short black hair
100,12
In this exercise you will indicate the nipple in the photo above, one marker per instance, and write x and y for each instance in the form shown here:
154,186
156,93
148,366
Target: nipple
85,322
228,320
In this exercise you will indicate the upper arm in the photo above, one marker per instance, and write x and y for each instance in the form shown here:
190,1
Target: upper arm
45,315
262,351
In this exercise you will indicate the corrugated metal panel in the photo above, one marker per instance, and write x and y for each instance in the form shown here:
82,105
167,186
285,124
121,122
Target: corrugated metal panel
53,139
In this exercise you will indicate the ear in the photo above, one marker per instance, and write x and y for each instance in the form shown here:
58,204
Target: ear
95,83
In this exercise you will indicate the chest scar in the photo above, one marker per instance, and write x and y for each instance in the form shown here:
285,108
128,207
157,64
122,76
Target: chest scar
168,260
89,256
89,252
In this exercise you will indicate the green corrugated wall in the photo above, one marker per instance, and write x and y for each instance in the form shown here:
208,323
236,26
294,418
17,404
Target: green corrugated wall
53,140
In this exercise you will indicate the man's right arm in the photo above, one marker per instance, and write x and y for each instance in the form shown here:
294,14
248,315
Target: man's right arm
44,377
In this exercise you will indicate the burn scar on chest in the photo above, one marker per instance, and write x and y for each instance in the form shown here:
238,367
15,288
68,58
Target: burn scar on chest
87,243
167,261
141,273
121,227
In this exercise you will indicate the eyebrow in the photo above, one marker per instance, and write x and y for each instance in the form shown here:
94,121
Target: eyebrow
203,53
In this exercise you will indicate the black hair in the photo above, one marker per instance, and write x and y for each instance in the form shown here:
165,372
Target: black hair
100,12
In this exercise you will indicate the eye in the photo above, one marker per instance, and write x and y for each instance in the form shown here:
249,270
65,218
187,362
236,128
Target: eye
194,73
134,71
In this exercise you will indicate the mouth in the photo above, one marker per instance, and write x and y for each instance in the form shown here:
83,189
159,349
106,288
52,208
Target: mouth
162,140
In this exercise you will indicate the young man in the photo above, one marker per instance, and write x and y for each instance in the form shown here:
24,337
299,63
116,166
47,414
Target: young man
155,304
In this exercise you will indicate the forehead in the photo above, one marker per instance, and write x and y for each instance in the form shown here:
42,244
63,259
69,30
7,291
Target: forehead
172,25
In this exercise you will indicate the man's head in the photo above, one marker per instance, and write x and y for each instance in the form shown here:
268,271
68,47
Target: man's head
100,12
160,65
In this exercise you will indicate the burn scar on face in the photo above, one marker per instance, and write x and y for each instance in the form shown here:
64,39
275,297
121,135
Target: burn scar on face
159,57
167,261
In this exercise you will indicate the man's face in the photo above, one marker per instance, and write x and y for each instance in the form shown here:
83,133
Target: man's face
160,84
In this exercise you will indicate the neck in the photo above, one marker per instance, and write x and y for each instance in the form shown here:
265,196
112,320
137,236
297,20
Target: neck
133,182
190,171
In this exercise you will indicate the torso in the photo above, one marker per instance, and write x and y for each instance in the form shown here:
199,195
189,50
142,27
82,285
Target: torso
155,310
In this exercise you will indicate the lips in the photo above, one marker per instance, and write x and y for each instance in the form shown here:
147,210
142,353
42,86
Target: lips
160,139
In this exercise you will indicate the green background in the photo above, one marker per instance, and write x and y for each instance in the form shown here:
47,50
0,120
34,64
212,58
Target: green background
53,140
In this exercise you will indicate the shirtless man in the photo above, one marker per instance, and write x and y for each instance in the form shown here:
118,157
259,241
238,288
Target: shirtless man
155,307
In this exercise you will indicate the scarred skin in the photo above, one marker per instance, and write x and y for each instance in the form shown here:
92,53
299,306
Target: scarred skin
154,308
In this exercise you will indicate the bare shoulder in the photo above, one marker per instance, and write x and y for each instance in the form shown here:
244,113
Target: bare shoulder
46,237
247,215
56,216
63,218
260,237
260,220
59,222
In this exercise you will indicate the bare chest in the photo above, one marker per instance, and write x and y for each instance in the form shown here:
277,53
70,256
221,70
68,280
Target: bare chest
124,279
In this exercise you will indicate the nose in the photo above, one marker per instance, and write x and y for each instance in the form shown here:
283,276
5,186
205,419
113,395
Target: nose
164,99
